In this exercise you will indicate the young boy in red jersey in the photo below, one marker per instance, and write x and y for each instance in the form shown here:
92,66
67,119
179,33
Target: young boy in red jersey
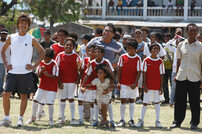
59,47
91,72
89,94
153,70
48,74
69,64
128,75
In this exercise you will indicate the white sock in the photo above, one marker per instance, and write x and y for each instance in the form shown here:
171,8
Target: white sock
72,110
51,110
96,111
40,108
20,117
131,109
110,109
62,109
144,108
91,113
7,117
34,109
80,108
157,109
122,111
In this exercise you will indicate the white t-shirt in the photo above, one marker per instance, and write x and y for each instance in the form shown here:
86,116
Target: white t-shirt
21,53
146,51
7,52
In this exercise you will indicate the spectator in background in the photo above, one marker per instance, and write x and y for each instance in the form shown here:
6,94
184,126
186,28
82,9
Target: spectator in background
55,37
179,4
170,5
77,46
125,38
120,31
193,4
145,33
117,37
47,42
119,4
98,32
83,49
1,26
129,3
110,4
199,37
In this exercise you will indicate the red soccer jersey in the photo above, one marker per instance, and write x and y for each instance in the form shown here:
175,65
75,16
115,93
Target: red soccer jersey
57,49
130,66
68,68
153,68
92,68
85,65
47,83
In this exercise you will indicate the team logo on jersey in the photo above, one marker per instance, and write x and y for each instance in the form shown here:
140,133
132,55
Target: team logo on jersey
26,44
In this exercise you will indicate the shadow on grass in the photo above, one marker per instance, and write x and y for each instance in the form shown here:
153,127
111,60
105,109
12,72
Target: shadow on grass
150,128
187,128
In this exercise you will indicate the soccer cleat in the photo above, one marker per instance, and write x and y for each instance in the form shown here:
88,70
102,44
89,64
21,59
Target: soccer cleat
92,121
73,122
31,120
131,123
158,124
140,123
139,101
96,123
60,121
40,115
79,122
51,122
112,124
5,122
122,123
20,122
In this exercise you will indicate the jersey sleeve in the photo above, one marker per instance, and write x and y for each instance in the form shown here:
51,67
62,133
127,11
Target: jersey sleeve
146,50
144,68
94,82
58,59
83,64
89,70
120,62
161,68
110,66
39,68
139,64
55,70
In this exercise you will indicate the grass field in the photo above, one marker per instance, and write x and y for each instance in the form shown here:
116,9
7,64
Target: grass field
42,127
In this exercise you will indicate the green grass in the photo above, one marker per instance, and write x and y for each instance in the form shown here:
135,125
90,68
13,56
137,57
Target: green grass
42,127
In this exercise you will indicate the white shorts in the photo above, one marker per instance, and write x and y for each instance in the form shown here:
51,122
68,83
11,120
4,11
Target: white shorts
88,96
67,92
152,96
44,96
140,81
127,92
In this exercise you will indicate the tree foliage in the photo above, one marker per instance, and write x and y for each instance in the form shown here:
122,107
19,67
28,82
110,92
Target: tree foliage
55,10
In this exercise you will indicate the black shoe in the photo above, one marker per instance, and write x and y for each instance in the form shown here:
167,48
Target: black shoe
174,125
165,102
194,127
121,123
131,123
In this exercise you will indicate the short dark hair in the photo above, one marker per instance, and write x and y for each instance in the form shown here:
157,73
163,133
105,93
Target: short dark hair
105,68
24,16
74,36
99,31
101,48
50,53
168,35
154,44
117,36
92,46
63,31
48,32
132,42
145,29
112,26
191,24
70,39
119,29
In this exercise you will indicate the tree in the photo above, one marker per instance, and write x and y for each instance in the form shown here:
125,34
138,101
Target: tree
55,10
5,7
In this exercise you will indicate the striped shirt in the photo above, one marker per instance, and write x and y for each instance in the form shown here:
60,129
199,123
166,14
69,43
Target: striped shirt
112,48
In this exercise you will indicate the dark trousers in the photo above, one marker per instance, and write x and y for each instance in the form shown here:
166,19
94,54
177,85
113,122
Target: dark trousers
166,77
193,90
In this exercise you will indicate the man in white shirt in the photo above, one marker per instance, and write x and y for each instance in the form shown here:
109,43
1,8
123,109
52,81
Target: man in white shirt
19,69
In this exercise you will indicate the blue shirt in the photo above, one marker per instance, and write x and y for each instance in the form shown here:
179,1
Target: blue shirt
139,47
112,49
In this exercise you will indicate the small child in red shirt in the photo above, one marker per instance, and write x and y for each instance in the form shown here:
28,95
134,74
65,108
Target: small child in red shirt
69,64
128,75
153,70
48,74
